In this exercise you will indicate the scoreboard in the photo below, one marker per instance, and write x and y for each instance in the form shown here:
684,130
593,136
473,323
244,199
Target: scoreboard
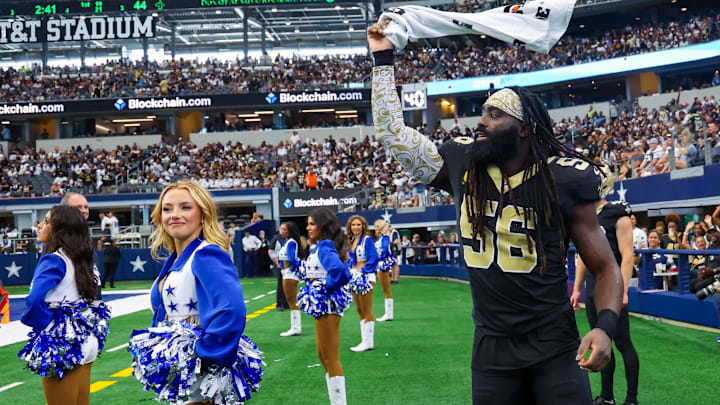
88,7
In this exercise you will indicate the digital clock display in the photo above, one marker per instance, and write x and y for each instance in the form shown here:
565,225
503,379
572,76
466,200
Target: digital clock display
41,8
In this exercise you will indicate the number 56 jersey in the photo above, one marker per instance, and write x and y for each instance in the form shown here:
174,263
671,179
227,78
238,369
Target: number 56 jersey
511,296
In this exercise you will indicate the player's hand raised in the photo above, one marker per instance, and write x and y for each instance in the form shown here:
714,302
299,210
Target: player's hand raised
376,37
599,342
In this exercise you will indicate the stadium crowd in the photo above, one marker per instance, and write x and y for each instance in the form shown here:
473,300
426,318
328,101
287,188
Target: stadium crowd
126,78
634,142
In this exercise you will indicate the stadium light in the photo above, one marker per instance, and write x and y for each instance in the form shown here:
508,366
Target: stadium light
318,110
239,12
132,125
264,112
346,112
6,122
247,116
133,120
252,120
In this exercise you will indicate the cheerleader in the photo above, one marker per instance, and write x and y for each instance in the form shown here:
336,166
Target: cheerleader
195,351
363,265
290,261
69,324
387,263
325,295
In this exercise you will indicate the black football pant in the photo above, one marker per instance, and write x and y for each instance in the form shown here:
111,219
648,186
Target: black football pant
557,381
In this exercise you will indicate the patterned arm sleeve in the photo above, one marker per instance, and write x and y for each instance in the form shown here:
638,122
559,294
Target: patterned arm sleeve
415,152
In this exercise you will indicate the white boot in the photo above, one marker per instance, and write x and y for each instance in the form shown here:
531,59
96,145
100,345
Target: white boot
336,390
361,346
369,335
388,311
368,328
295,324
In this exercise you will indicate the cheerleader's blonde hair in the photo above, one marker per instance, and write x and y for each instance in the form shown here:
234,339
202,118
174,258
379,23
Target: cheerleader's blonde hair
210,228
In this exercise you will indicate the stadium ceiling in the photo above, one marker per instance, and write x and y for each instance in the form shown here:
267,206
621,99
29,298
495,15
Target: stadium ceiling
338,24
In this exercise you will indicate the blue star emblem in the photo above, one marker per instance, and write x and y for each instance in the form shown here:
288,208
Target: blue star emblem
173,307
170,290
191,305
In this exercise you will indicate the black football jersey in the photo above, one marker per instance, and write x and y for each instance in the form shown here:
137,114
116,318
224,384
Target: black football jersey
510,296
608,216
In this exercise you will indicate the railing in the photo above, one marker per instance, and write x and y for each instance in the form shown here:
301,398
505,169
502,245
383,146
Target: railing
448,255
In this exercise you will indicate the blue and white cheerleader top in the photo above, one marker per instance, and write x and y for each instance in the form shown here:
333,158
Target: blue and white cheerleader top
361,282
195,350
386,258
67,331
288,256
326,278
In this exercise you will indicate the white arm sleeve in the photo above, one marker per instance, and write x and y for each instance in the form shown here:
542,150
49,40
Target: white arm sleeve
415,152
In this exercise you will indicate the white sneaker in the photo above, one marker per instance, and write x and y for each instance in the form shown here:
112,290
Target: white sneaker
295,324
388,311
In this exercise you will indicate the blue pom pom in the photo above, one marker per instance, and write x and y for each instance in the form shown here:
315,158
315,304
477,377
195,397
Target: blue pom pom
360,284
57,349
387,263
315,300
166,362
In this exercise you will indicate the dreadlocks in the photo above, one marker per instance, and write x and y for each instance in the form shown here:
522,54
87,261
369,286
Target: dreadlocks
542,195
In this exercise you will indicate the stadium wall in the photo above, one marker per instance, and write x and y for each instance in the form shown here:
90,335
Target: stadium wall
99,142
687,96
255,138
557,114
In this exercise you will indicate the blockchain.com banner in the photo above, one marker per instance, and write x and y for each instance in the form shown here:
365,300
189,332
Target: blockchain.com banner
302,202
127,105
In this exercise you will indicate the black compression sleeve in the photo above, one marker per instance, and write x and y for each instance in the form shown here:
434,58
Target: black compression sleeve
384,58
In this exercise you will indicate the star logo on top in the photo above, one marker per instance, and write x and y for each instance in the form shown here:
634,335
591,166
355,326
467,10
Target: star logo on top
622,191
288,203
271,98
120,104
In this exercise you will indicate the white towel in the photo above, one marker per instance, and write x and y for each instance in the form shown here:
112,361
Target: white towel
537,24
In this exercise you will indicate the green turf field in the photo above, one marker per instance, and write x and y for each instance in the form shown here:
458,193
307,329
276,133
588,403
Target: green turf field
422,357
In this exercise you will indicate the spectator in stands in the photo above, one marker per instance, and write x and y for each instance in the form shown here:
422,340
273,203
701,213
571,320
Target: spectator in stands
697,262
672,238
716,79
310,181
255,218
409,252
658,263
6,247
6,135
431,254
693,233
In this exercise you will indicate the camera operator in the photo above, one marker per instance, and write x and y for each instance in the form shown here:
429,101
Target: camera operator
709,275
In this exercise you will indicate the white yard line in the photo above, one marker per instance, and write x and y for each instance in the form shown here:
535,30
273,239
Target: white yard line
13,385
258,297
271,292
116,348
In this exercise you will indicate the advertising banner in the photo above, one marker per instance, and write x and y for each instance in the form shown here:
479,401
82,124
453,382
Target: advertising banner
302,202
275,100
97,28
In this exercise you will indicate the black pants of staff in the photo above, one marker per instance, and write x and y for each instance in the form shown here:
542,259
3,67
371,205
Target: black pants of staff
109,274
280,299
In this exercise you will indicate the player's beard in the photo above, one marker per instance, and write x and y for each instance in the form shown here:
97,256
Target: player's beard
497,147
